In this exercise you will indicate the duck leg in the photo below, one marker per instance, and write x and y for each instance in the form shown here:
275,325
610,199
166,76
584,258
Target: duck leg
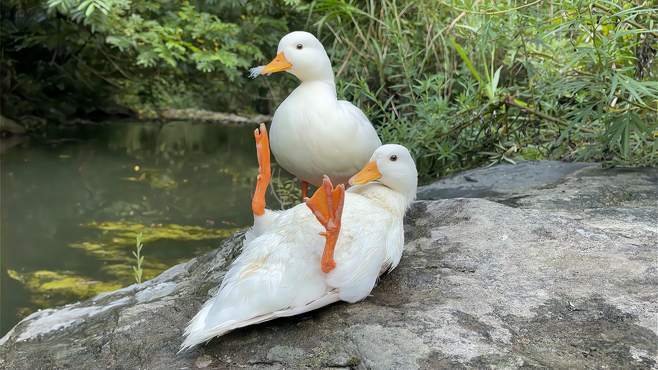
304,189
264,171
327,206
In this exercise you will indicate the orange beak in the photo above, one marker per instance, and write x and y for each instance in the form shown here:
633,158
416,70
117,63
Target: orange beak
278,64
369,173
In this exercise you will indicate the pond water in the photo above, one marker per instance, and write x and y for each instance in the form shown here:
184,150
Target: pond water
73,204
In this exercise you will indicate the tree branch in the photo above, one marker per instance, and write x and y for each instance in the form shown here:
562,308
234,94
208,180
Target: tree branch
214,117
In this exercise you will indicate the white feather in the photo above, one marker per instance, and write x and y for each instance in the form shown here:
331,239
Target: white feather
256,71
278,273
195,336
313,134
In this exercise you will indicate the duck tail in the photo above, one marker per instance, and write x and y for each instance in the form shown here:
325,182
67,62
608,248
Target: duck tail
210,323
195,332
199,329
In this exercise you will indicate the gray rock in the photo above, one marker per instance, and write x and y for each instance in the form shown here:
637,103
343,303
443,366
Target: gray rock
500,180
558,273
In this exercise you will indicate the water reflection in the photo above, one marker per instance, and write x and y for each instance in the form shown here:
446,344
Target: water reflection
73,203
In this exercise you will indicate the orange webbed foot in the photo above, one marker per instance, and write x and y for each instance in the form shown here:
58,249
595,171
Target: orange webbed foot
264,170
327,206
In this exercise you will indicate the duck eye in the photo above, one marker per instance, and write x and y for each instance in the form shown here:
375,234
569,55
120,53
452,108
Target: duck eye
393,158
299,46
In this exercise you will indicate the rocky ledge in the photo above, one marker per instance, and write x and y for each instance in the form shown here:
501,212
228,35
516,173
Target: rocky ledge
550,265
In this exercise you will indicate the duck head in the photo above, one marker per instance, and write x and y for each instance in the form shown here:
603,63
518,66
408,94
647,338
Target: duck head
301,54
392,166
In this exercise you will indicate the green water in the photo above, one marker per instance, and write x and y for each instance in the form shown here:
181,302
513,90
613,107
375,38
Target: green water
73,203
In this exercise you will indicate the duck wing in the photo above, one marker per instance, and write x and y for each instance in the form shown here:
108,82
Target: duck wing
361,251
197,334
275,276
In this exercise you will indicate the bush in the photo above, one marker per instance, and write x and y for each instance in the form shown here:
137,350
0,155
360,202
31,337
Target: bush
485,82
461,84
73,57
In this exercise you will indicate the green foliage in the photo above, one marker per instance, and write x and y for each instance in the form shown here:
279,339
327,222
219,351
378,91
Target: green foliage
164,34
285,190
461,83
82,56
466,83
139,259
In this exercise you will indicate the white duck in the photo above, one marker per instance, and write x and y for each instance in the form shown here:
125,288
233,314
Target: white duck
313,133
287,267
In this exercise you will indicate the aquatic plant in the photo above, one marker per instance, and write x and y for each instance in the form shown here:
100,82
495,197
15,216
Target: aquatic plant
115,244
50,288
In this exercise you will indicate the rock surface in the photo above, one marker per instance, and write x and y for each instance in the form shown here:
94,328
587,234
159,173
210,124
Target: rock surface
501,180
553,270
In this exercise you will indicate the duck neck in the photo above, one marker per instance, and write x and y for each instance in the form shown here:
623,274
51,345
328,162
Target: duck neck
324,88
328,81
329,78
321,73
395,202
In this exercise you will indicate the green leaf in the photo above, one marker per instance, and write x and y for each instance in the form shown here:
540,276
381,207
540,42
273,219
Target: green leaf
90,10
466,59
496,78
625,138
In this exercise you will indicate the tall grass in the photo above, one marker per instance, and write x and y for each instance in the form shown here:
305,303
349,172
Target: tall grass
467,83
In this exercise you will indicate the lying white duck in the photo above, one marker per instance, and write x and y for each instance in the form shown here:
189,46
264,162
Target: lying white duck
287,267
313,134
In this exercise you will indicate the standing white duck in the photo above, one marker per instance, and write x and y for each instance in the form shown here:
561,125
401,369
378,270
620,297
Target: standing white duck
287,268
313,133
